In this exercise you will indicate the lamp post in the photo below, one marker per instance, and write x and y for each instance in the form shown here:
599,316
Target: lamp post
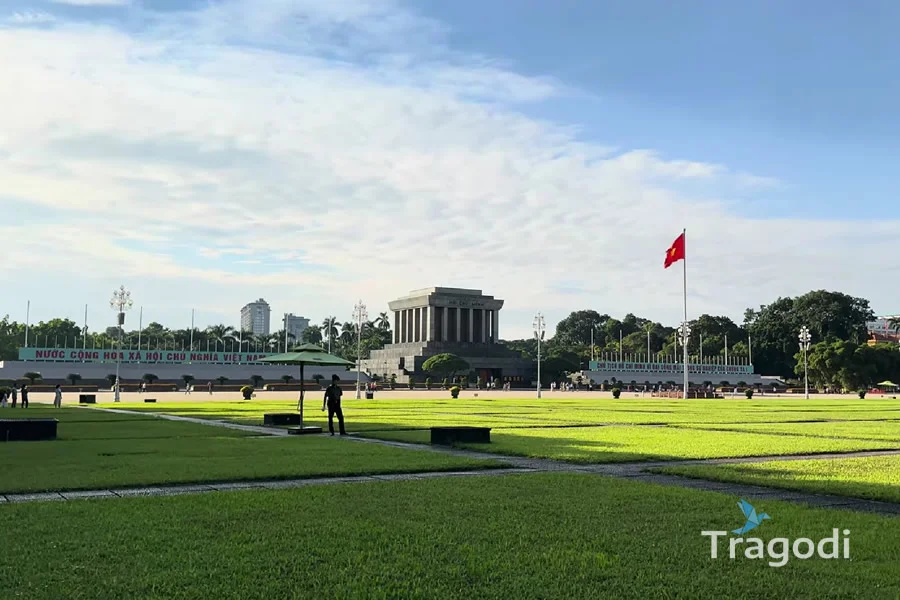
593,326
540,328
685,338
804,347
120,302
360,314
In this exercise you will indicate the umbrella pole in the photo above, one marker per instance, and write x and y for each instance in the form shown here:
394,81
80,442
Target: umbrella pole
301,395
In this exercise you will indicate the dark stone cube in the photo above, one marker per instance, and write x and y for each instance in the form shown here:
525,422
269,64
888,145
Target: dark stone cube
27,430
447,436
281,419
87,398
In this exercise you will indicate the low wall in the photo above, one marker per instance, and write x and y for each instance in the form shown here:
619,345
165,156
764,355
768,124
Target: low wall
202,373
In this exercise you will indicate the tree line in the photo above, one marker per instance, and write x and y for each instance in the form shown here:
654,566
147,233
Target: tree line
839,355
339,337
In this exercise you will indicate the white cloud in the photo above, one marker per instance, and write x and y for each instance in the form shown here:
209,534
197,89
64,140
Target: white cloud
345,140
30,17
93,2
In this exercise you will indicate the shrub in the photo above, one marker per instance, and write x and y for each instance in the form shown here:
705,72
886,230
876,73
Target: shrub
73,378
187,379
749,393
32,376
318,377
411,383
465,381
479,383
445,383
221,379
111,378
393,381
454,391
287,378
616,392
256,380
247,392
150,377
428,383
862,394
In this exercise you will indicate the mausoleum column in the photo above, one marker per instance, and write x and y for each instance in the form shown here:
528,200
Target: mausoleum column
445,325
458,325
484,327
495,326
471,324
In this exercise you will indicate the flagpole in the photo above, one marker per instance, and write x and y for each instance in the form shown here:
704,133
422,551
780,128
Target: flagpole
140,329
192,330
684,272
27,319
750,350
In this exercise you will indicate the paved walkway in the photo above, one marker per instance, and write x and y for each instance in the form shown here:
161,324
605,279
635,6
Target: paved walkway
637,471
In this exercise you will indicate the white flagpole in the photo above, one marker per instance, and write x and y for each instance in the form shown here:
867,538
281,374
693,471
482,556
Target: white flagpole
750,349
84,331
27,318
701,348
140,330
684,271
192,330
726,349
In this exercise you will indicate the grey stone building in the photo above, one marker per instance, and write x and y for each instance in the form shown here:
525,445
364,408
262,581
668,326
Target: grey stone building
436,320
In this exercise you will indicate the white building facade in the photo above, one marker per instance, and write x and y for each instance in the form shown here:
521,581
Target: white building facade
255,317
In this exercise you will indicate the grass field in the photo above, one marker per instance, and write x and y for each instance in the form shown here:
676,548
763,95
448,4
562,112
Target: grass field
876,477
104,450
605,430
532,536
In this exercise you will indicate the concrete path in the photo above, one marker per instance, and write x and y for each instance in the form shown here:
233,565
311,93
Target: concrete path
637,471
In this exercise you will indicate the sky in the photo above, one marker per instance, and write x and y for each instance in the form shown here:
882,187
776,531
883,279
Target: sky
206,154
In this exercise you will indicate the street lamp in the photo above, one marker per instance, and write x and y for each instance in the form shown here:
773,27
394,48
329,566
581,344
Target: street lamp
120,302
685,338
360,314
804,347
540,328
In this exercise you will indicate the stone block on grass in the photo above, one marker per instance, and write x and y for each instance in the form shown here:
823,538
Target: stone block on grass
447,436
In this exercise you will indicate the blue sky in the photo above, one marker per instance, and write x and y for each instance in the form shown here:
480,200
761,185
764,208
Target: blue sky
209,153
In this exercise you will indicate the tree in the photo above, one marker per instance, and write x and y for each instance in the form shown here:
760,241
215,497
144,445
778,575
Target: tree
221,379
256,380
830,316
150,378
383,321
576,328
218,333
32,376
445,364
287,378
312,334
73,378
330,330
187,379
318,377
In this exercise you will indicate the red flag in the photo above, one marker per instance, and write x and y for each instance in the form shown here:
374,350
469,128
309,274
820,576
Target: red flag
676,252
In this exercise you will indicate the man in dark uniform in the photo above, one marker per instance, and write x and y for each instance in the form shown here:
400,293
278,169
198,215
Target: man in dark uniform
333,401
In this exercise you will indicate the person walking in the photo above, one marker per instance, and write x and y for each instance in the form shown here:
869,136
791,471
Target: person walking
209,387
15,394
333,401
57,397
3,398
24,396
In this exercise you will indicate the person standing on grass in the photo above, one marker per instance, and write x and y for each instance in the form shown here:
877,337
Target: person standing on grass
24,396
57,397
333,401
209,387
15,394
3,398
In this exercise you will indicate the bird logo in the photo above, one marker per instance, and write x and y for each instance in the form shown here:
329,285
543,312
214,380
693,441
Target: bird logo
753,519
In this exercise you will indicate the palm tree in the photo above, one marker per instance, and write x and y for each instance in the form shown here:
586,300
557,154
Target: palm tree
312,334
383,321
330,330
894,323
218,333
348,332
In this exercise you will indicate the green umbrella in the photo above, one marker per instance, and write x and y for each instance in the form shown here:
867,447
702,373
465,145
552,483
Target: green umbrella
887,384
306,354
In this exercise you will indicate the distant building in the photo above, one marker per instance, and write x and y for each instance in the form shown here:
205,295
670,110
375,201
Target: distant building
882,326
255,317
295,326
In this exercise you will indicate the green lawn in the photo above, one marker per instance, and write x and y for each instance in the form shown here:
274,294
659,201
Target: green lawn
605,430
104,450
876,477
517,536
